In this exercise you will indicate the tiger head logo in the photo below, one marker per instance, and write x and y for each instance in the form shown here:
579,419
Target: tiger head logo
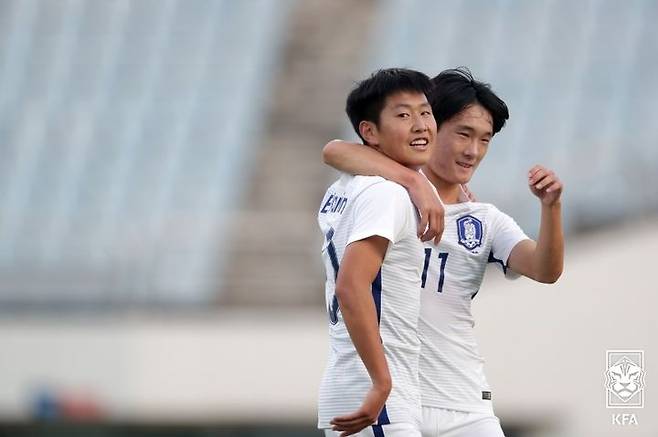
625,379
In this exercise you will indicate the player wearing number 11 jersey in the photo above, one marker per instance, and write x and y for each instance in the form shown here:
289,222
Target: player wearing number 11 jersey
452,373
456,398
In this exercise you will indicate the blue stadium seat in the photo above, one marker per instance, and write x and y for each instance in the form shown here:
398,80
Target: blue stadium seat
126,128
579,78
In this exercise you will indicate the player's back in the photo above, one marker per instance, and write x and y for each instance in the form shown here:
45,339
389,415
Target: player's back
355,208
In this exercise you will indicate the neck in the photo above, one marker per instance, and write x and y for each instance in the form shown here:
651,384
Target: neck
449,192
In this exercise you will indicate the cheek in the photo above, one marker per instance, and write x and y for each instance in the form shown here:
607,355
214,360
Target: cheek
483,152
395,130
440,159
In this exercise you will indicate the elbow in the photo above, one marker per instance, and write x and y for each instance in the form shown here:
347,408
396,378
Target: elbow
550,277
346,292
343,293
328,152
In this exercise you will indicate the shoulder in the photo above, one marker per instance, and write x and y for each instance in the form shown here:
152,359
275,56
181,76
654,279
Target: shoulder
378,186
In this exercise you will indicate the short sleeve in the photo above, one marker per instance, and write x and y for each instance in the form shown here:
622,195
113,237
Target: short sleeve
506,235
382,209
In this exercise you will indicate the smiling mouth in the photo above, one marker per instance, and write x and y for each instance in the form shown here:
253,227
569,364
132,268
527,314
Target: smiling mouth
420,143
465,165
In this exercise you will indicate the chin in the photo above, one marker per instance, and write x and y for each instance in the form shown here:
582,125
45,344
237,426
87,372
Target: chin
415,163
460,179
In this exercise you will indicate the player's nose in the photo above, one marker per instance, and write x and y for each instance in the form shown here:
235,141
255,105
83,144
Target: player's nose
471,149
419,124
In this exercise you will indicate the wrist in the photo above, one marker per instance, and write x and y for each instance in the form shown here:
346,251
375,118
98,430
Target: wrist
411,179
555,205
383,382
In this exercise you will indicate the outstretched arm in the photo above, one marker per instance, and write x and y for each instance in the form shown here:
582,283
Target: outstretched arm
359,159
543,260
359,267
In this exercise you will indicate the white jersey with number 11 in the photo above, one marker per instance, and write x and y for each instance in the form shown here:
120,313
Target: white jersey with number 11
451,368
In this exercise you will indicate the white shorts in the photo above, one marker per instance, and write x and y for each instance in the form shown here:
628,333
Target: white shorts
391,430
439,422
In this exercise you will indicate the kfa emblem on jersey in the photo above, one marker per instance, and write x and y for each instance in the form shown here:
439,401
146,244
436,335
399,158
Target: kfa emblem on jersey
469,232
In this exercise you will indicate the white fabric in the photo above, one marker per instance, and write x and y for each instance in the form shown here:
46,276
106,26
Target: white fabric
439,422
393,430
451,368
355,208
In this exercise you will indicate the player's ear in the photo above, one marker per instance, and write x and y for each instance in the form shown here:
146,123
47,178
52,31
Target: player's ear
369,132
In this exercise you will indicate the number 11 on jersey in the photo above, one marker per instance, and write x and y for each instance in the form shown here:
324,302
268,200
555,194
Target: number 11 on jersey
443,256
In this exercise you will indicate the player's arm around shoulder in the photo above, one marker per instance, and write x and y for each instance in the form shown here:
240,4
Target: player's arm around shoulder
543,260
360,159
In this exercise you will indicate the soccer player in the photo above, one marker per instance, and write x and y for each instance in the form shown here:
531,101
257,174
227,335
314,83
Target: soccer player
373,259
456,398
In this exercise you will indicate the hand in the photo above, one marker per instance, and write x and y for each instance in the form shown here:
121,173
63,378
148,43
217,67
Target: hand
366,415
430,208
545,185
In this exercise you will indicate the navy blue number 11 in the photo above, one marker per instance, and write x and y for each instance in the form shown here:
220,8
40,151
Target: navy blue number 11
443,256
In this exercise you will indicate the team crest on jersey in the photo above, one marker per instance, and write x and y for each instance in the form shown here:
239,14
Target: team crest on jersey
469,232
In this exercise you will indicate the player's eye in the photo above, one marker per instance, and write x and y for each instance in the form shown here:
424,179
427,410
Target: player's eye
426,113
462,134
404,115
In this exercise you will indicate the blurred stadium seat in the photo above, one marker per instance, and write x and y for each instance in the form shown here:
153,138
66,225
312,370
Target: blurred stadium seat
167,153
579,84
125,130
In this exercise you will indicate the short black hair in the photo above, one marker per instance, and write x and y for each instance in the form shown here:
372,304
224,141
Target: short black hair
368,98
455,89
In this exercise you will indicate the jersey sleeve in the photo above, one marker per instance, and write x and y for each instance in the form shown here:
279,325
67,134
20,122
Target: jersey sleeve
507,234
382,209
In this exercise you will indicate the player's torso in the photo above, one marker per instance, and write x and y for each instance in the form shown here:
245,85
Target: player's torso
396,289
396,293
450,364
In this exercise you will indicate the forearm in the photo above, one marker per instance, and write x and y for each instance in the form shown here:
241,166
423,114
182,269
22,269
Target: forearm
359,159
360,317
548,259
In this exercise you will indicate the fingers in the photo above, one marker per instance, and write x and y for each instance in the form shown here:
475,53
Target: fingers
555,186
352,423
544,181
440,225
348,418
352,429
424,196
422,224
433,230
545,184
548,182
533,171
535,175
540,177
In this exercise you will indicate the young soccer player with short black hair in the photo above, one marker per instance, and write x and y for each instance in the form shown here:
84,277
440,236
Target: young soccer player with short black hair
373,260
455,395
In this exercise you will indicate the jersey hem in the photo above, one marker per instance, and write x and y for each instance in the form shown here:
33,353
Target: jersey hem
463,408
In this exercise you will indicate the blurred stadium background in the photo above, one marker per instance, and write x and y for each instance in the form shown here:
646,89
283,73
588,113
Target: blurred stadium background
160,171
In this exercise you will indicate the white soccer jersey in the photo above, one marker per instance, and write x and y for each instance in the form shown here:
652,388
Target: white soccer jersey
451,368
355,208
